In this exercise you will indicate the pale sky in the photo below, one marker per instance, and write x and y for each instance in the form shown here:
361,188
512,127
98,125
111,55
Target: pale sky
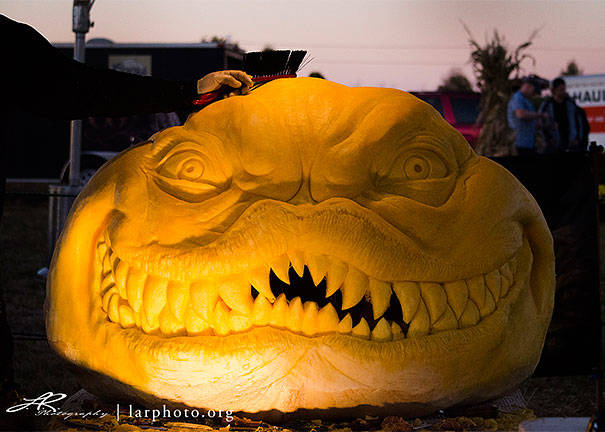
411,45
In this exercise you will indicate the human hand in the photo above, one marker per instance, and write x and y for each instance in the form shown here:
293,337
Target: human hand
238,80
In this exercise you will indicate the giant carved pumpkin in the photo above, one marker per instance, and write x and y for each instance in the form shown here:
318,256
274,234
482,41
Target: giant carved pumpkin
307,246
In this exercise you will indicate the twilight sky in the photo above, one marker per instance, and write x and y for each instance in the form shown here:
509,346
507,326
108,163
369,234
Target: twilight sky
411,45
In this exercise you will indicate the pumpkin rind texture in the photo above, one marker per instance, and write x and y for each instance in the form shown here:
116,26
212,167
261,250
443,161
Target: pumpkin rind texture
308,246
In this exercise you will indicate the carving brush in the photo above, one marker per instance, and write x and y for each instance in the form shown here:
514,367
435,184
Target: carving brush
263,66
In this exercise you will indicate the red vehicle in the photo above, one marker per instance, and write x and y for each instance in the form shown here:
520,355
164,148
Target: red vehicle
458,109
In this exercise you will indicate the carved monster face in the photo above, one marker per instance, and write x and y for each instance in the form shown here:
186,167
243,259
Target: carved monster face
308,246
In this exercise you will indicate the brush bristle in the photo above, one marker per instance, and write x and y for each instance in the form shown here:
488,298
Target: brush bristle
268,63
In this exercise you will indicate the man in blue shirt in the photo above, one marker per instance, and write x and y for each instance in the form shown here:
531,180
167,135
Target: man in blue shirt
522,115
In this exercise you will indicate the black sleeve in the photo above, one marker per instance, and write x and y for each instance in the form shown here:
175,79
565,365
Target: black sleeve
37,78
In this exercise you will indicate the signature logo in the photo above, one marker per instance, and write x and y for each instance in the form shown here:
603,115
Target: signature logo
42,401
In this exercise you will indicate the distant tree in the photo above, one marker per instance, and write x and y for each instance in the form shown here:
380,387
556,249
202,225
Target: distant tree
268,47
456,81
224,40
496,69
317,75
571,69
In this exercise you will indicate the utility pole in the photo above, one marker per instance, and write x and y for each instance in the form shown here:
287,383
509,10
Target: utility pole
80,26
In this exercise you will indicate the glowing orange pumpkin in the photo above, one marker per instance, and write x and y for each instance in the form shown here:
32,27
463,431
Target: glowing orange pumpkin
308,246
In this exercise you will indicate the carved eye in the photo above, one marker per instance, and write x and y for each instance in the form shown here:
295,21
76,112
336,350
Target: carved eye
185,165
189,174
417,168
422,165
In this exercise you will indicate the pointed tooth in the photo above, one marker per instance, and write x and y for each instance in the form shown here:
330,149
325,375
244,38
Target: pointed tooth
113,312
489,306
221,318
146,326
239,323
154,299
114,260
236,294
261,311
434,298
297,258
107,297
280,267
382,331
420,324
457,296
309,323
380,293
260,281
493,280
477,290
126,315
396,331
470,316
107,282
135,284
447,321
101,250
353,288
318,267
106,264
336,276
279,314
169,325
327,319
504,287
408,294
194,323
203,296
507,273
345,325
362,329
295,315
178,297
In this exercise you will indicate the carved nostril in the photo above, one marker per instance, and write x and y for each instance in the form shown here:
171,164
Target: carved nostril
303,195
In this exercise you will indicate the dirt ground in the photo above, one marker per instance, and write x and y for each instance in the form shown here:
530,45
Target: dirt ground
23,240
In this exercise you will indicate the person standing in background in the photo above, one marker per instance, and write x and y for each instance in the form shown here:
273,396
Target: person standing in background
522,115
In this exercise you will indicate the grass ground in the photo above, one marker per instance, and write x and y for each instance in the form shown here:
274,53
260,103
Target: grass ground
37,369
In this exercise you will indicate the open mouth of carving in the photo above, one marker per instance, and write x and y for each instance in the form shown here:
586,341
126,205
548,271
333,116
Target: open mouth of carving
308,294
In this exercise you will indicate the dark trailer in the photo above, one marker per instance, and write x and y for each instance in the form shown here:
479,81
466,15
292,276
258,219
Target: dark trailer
39,148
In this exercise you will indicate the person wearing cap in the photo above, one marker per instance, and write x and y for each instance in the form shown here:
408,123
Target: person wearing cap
565,129
522,115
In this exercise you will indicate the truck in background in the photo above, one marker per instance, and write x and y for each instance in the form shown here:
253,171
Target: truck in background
589,93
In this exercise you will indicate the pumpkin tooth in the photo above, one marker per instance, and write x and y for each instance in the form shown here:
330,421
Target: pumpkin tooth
337,271
434,298
221,318
470,316
203,296
169,324
362,329
493,280
236,293
408,294
127,315
107,282
380,293
447,321
113,305
154,299
457,296
396,331
295,314
505,286
259,278
279,314
178,296
120,276
106,264
194,324
481,295
507,273
135,285
420,324
107,297
261,311
101,250
318,267
345,325
297,258
280,267
353,288
382,331
309,322
327,319
238,322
